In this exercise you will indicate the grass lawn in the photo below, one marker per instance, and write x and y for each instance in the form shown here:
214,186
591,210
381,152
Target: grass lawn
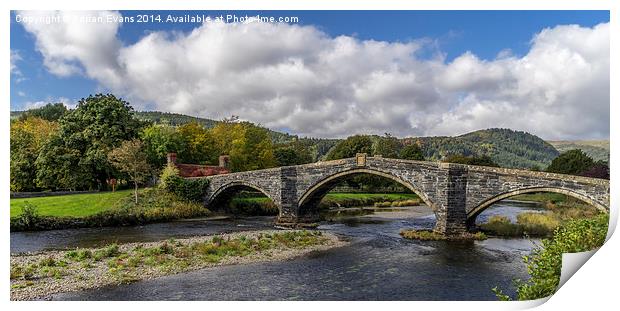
76,205
541,197
81,205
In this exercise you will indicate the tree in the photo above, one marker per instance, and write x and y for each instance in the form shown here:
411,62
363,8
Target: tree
198,144
248,145
59,167
294,153
349,147
27,138
599,169
411,152
88,133
285,156
473,160
49,112
572,162
130,159
387,146
159,140
252,149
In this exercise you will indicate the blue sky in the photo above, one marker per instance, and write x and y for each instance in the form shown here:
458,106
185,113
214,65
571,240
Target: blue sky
452,33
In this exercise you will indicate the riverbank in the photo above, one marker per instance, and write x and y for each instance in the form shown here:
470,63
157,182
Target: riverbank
111,209
39,275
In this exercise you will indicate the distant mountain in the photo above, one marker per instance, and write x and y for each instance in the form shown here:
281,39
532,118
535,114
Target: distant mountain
506,147
596,149
172,118
176,119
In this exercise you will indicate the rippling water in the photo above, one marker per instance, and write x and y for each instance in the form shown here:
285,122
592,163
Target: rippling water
92,237
377,265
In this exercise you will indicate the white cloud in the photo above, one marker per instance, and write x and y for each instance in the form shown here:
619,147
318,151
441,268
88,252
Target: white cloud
300,78
16,74
15,57
70,104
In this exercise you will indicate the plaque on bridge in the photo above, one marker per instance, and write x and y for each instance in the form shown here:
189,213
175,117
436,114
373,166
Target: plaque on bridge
361,159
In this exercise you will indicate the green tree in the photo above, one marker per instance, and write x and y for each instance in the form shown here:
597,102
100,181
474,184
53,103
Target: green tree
198,144
130,159
285,156
294,153
573,162
159,140
49,112
248,145
60,167
411,152
86,135
350,147
473,160
27,138
387,146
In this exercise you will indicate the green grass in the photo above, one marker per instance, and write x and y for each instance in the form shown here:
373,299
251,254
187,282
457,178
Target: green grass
541,197
82,205
76,205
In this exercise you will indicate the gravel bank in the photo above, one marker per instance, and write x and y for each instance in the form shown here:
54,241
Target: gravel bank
75,276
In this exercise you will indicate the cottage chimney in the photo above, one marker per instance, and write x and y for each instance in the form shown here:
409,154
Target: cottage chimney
172,158
224,160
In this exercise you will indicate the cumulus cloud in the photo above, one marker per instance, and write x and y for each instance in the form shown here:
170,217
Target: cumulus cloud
15,57
70,104
302,79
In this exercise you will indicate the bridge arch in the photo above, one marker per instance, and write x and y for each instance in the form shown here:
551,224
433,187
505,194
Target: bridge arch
224,192
471,215
309,200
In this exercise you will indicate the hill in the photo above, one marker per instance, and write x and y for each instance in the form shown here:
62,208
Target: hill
506,147
596,149
176,119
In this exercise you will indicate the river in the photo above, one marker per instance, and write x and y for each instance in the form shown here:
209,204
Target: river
377,265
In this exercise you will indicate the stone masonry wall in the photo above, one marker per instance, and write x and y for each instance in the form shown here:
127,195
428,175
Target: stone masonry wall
456,193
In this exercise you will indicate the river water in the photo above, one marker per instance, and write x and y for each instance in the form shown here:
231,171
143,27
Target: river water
377,265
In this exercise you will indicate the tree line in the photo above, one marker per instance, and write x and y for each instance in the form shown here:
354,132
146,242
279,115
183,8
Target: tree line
55,148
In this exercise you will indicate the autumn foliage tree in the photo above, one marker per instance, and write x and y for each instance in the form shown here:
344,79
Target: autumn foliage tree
130,159
248,145
27,138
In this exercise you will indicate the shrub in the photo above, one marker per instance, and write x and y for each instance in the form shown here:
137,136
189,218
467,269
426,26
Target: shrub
79,255
29,216
544,264
538,224
109,251
191,190
169,178
502,226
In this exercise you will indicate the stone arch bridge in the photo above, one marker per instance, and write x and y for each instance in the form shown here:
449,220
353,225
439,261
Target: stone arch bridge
457,193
